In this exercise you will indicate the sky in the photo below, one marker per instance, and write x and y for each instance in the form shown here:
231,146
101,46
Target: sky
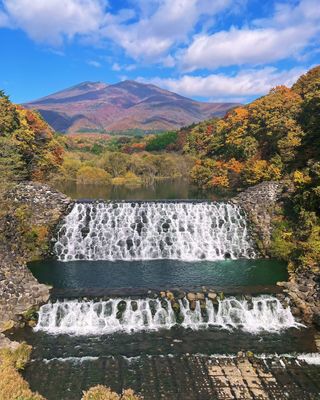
209,50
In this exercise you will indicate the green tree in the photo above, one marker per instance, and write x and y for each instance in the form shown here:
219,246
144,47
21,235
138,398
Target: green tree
9,118
12,167
161,141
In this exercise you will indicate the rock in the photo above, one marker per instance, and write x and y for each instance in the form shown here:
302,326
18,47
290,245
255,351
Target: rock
259,203
295,311
212,296
134,305
192,305
303,288
32,323
200,296
176,307
170,296
316,319
162,295
181,295
191,297
122,305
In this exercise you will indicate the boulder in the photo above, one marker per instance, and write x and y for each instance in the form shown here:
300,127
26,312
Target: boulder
191,297
212,296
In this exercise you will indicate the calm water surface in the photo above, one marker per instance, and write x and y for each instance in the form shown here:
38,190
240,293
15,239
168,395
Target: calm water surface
158,273
159,190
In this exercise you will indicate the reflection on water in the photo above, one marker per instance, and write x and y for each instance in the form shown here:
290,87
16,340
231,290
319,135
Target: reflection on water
159,190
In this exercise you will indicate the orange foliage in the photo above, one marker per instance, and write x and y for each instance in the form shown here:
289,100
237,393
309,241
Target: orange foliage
235,166
220,181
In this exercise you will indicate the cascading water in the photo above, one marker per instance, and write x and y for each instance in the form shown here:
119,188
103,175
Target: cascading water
154,230
264,313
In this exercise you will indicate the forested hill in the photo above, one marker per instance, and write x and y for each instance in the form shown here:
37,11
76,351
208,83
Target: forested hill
276,137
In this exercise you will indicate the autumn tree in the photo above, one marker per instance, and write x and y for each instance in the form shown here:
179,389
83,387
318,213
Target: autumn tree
308,87
28,143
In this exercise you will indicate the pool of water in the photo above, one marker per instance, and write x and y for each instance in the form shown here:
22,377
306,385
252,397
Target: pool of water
158,274
159,190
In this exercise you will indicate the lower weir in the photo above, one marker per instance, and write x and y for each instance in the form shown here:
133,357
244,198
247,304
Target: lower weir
262,313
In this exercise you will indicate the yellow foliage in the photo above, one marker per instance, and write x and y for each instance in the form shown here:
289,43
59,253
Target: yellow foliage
256,171
101,392
12,385
70,167
129,178
301,178
92,175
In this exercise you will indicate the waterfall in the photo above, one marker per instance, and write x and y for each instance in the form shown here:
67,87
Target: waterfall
153,230
263,313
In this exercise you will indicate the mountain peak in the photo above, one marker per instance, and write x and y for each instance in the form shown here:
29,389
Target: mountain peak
87,85
96,106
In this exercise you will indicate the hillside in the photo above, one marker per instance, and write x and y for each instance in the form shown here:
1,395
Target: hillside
274,138
96,106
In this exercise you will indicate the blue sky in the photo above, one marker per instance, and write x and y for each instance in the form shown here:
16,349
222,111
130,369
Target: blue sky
213,50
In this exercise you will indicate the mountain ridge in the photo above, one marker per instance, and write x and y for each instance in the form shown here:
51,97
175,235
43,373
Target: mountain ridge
101,107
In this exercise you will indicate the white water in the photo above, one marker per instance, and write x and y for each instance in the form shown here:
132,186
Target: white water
147,230
263,313
309,358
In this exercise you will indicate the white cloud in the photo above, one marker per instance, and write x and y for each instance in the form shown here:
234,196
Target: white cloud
94,63
51,20
245,46
161,27
126,67
130,67
116,67
4,20
285,35
245,84
173,33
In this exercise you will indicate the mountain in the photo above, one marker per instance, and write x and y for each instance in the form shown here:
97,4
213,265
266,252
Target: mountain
98,107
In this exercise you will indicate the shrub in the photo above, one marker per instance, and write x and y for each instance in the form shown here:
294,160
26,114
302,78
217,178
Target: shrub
104,393
70,167
282,241
114,163
127,179
92,175
12,385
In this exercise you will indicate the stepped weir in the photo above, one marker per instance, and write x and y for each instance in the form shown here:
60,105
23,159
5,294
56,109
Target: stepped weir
188,231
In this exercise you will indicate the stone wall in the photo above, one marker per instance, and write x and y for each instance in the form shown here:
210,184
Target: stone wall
29,215
304,293
259,203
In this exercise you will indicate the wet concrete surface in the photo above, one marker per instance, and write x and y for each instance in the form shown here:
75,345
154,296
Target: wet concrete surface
179,377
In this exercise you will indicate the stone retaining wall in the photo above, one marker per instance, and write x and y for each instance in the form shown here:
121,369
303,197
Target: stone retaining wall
259,203
30,207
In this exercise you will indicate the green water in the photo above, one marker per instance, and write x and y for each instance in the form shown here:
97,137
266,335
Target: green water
158,273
